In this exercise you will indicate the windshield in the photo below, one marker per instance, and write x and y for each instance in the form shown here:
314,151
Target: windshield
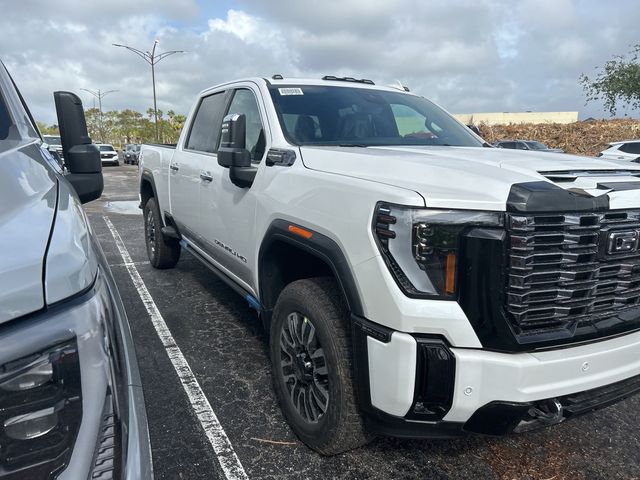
52,140
106,148
536,145
330,115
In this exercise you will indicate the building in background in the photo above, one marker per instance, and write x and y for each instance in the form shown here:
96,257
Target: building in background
501,118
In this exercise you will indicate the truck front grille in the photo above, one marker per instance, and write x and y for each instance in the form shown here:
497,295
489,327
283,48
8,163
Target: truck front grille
569,271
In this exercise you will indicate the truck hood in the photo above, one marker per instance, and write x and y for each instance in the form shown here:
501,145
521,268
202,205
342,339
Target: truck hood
471,178
44,252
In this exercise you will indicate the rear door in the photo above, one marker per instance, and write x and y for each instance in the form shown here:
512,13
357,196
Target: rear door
190,166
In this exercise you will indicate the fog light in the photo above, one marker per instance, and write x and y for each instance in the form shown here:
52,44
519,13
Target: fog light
32,425
34,376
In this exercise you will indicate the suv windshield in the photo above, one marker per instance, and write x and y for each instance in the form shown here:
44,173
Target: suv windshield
106,148
331,115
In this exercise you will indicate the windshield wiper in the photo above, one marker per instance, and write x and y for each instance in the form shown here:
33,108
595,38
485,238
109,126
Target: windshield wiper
352,145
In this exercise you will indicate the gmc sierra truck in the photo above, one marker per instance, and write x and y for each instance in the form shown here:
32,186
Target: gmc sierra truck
415,281
71,402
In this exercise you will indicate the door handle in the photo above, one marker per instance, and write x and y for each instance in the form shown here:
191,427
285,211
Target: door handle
206,176
175,167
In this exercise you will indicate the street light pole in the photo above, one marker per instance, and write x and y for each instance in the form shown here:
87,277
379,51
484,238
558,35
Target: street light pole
152,59
99,95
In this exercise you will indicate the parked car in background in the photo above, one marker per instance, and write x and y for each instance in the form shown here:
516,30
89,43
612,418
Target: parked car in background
71,402
527,145
54,145
131,153
108,154
628,150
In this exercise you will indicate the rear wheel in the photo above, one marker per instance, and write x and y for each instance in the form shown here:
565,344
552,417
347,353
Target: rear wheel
312,366
163,251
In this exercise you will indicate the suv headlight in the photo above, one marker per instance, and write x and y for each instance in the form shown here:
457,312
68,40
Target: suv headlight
420,245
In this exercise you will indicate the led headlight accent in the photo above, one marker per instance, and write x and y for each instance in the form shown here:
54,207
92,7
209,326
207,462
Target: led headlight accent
420,246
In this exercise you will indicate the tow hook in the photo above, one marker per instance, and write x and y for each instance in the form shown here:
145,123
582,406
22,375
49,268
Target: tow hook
541,414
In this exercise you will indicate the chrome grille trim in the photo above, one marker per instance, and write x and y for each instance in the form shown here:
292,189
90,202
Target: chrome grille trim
560,275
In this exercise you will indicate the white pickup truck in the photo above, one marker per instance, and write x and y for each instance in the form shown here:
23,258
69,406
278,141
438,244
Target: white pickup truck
415,281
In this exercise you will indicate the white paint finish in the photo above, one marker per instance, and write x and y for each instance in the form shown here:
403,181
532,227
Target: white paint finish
527,377
71,264
387,305
392,373
449,177
28,196
226,455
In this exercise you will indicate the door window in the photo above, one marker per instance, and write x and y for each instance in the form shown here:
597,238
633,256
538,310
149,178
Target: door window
205,129
630,148
244,101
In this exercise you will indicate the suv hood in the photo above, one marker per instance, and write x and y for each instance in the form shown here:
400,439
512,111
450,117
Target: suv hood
28,195
473,178
45,252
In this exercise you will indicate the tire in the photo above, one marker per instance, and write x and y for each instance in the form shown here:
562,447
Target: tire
311,361
163,252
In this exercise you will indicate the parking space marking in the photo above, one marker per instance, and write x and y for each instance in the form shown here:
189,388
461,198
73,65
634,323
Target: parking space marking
224,452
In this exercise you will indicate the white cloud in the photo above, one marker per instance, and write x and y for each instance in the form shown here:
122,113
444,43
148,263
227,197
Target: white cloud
469,55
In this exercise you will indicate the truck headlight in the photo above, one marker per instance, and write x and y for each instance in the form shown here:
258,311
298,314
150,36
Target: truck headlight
40,411
420,245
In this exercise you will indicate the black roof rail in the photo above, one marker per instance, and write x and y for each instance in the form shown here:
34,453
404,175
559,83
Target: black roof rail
347,79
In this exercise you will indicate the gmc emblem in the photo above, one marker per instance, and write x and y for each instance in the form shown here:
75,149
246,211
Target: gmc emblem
623,242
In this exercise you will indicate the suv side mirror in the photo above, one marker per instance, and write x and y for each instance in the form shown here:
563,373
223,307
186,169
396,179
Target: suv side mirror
81,157
233,154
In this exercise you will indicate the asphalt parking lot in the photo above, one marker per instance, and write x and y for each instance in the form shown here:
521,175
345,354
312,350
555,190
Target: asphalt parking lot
225,348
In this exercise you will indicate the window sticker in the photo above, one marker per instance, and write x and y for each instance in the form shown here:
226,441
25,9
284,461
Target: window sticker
290,91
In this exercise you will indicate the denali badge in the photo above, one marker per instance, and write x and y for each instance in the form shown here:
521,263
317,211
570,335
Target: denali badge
623,242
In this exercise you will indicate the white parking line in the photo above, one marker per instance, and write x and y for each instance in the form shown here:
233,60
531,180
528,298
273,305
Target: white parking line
226,455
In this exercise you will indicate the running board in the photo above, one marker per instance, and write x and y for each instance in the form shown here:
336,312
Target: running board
253,302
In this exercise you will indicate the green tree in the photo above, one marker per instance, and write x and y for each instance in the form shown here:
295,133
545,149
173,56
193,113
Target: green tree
175,123
129,125
48,129
617,82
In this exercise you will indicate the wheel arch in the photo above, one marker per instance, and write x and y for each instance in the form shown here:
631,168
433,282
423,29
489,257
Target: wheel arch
147,187
285,257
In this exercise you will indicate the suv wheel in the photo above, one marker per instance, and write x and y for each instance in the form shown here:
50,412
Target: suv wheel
163,252
312,369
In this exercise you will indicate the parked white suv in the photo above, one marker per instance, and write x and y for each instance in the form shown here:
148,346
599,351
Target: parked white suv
108,154
413,282
628,150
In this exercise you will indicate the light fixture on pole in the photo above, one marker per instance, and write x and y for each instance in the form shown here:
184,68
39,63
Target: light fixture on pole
99,95
151,58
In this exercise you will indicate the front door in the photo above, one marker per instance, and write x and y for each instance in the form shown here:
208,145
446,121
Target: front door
228,212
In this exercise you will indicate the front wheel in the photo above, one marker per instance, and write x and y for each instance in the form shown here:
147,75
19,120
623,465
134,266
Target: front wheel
163,251
312,369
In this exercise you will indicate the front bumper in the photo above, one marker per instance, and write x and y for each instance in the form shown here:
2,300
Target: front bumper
112,438
490,392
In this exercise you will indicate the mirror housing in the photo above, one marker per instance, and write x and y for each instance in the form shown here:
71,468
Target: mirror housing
81,157
232,151
233,154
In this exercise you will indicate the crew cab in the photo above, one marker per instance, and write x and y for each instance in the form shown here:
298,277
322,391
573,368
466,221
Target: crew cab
414,280
71,402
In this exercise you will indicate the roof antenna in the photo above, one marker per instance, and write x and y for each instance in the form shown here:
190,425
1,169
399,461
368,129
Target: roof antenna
398,85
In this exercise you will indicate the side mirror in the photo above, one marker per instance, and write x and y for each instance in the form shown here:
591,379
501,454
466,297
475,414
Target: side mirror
233,154
81,157
232,151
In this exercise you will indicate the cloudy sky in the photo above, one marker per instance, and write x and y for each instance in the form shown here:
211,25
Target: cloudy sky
469,56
